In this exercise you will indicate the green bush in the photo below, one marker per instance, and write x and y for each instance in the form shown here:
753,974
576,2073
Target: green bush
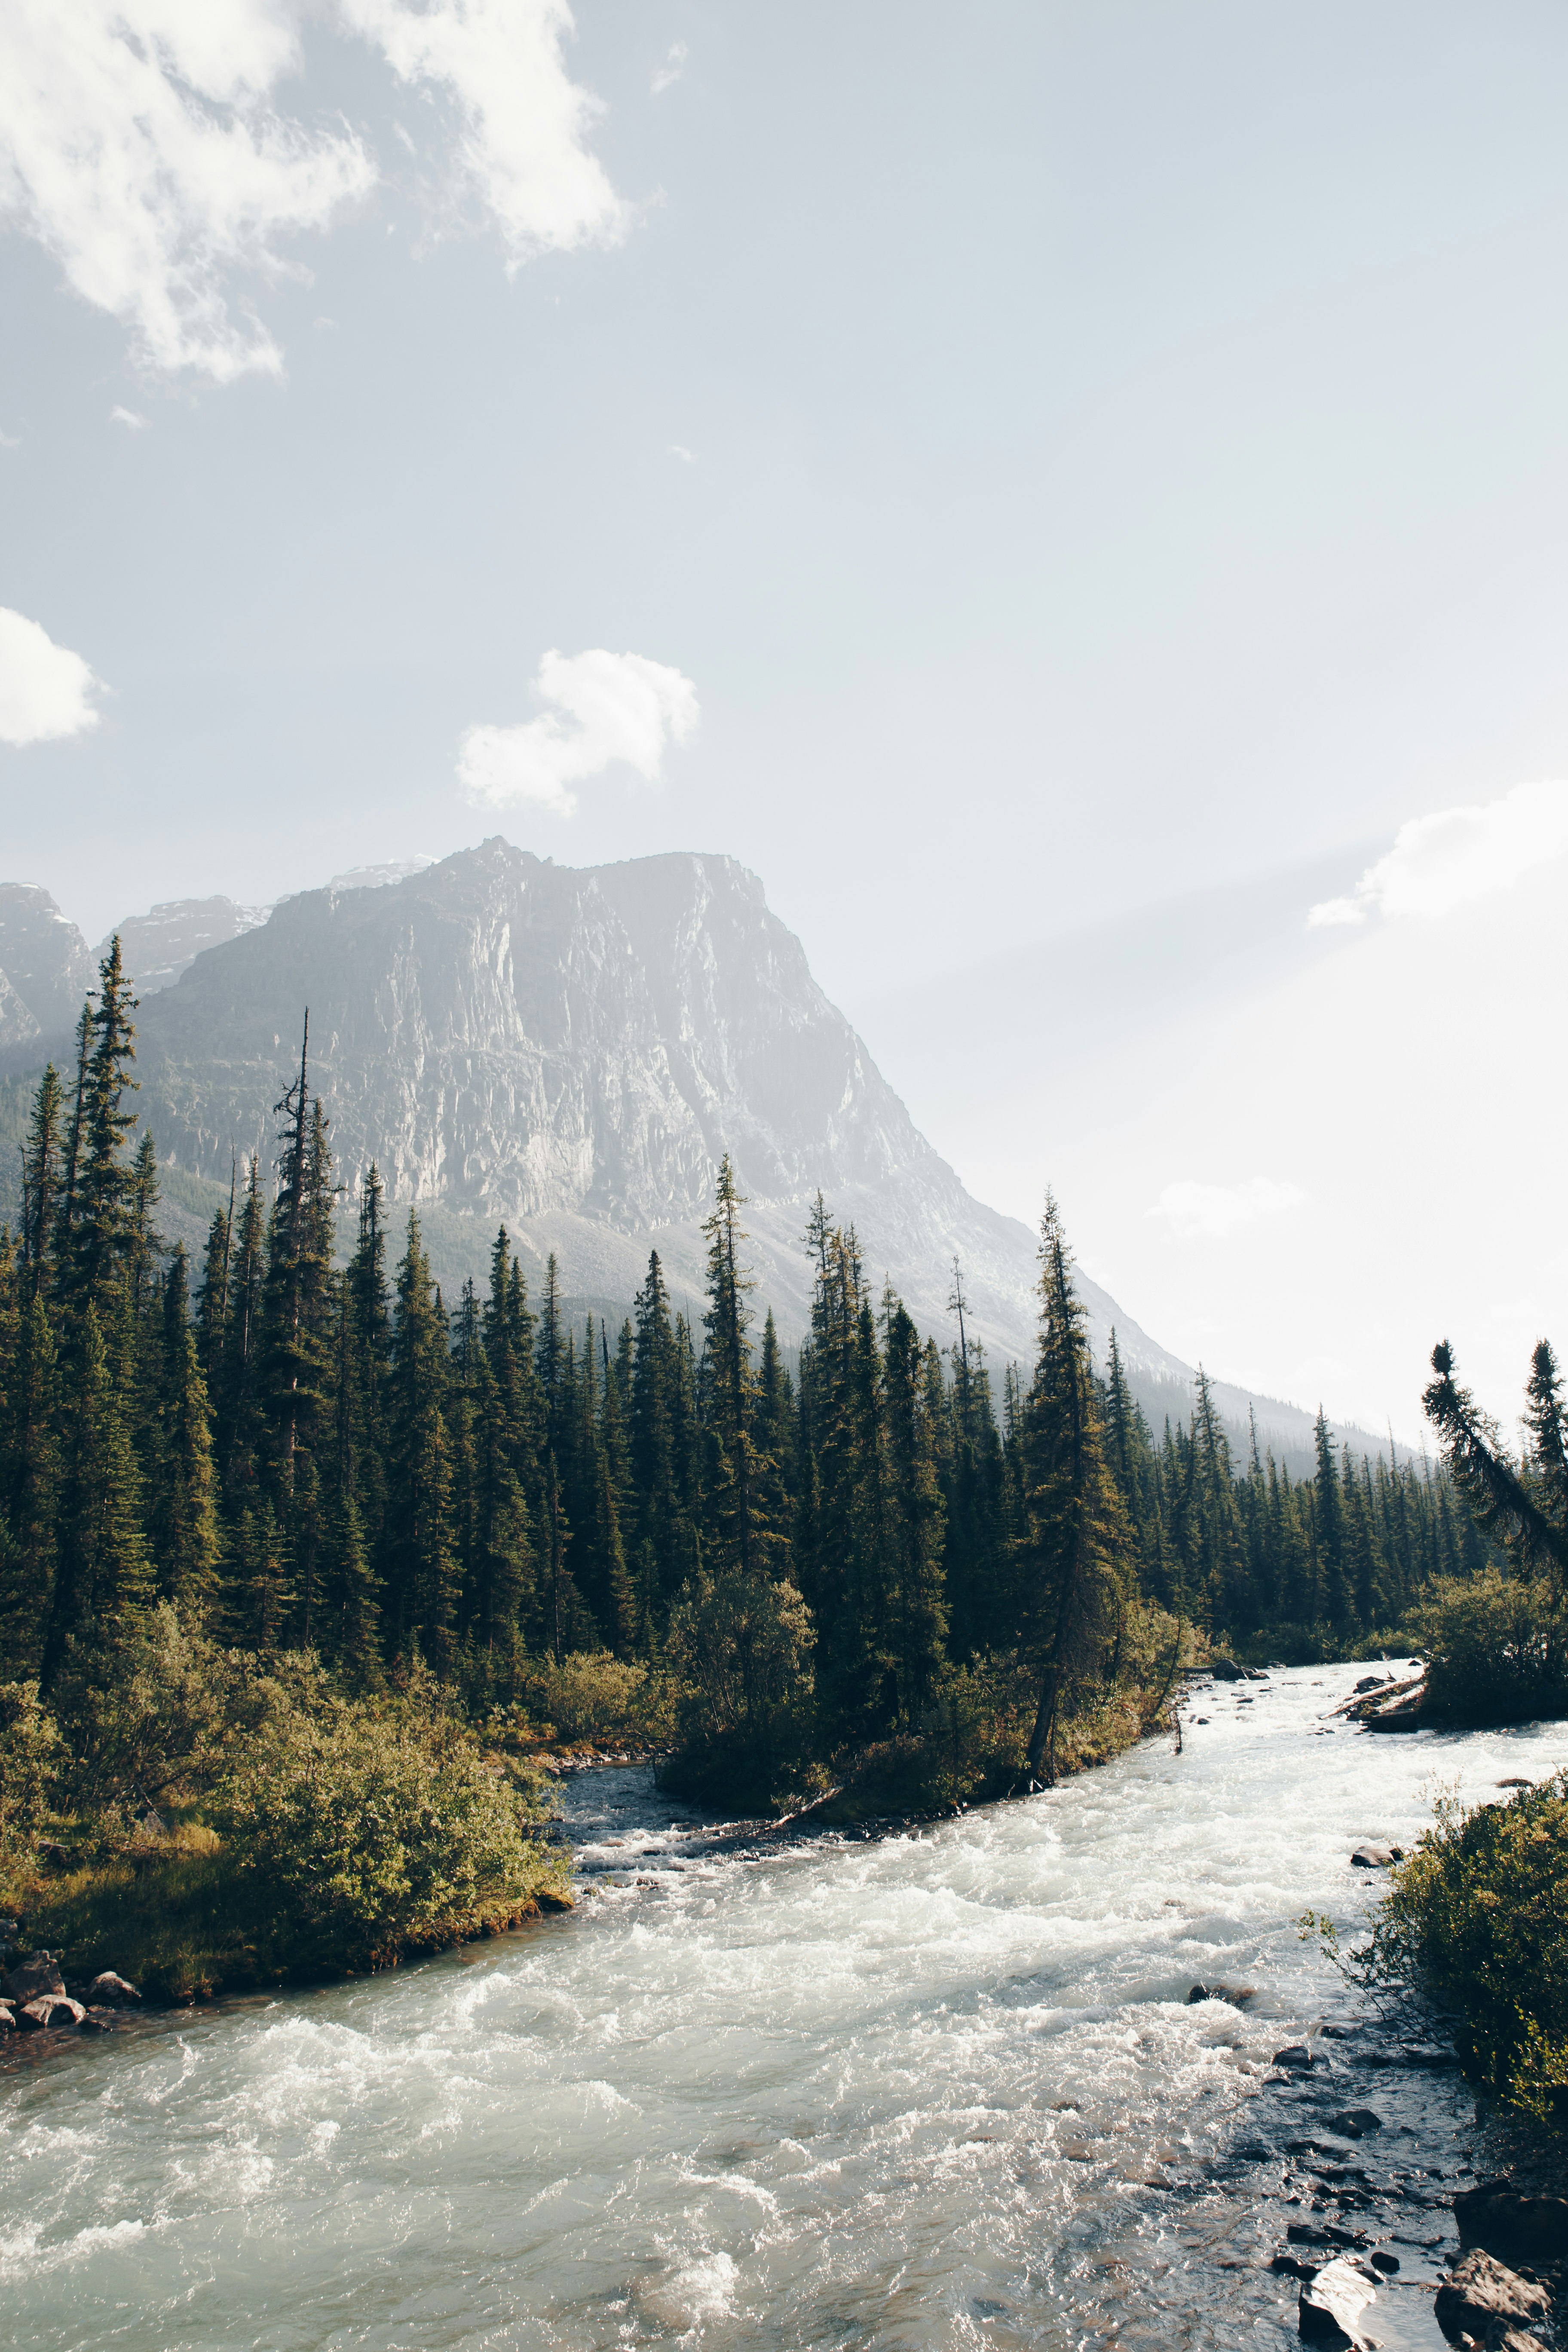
1497,1647
375,1827
593,1695
31,1755
739,1647
299,1830
1478,1916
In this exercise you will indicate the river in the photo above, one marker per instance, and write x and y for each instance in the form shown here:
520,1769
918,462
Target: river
939,2089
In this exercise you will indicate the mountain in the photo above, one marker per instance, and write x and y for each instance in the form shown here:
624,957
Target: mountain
572,1050
44,968
158,945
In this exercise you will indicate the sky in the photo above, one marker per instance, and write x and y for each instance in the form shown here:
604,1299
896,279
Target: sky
1074,496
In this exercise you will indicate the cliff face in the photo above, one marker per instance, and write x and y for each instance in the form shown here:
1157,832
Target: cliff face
572,1050
44,968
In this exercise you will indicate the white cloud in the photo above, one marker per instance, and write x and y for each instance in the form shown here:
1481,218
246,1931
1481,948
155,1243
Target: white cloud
141,144
1211,1212
524,121
45,689
129,418
1445,860
607,707
138,144
670,71
678,449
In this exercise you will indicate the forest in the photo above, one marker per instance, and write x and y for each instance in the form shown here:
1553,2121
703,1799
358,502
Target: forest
305,1567
306,1457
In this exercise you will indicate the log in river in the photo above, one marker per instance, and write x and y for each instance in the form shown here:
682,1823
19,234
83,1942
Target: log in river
946,2088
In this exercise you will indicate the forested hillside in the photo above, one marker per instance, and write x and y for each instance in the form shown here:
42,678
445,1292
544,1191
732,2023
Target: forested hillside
308,1457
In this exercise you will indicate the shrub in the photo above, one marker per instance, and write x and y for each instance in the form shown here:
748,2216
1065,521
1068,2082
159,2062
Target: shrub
1498,1647
31,1754
592,1694
375,1827
1478,1915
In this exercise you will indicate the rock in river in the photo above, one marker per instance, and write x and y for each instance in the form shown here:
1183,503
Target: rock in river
1480,2292
110,1992
30,1978
51,2009
1525,2229
1332,2304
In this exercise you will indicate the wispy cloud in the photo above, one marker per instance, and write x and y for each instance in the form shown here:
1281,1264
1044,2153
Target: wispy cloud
46,690
607,707
1458,854
142,144
128,417
672,69
9,440
678,449
1211,1212
522,121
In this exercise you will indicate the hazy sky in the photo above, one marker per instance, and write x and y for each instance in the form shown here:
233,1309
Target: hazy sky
1054,489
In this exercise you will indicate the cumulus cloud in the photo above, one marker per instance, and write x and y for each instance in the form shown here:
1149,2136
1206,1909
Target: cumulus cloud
1211,1212
142,144
129,418
607,707
522,121
137,143
46,690
672,69
1445,860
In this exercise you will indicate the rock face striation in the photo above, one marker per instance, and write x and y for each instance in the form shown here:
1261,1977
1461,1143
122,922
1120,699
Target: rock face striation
44,968
573,1050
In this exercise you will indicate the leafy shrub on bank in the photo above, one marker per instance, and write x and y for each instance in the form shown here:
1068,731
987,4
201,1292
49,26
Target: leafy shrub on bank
1497,1648
375,1828
299,1830
593,1695
740,1649
1478,1917
31,1753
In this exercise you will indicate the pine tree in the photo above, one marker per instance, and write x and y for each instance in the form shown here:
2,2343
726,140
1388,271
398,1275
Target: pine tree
43,1180
104,1572
183,1518
422,1568
1077,1540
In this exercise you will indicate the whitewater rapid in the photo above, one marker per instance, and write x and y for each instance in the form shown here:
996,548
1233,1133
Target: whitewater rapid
940,2089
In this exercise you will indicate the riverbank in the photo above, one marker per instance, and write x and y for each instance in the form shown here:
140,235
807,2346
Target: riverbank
927,2085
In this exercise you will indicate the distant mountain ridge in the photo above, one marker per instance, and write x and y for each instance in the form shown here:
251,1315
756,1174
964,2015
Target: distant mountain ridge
570,1050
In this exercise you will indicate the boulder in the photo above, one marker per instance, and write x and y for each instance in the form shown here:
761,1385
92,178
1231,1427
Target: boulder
1296,2056
1376,1857
1354,2123
30,1978
1385,2262
1399,1714
8,2018
1225,1670
1236,1995
1502,2337
1372,1681
110,1992
50,2008
1523,2229
1332,2304
1480,2291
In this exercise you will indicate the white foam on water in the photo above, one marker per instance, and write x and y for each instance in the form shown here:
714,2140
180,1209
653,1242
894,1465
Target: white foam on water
905,2093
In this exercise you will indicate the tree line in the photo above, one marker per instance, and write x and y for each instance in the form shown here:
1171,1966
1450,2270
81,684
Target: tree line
304,1455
